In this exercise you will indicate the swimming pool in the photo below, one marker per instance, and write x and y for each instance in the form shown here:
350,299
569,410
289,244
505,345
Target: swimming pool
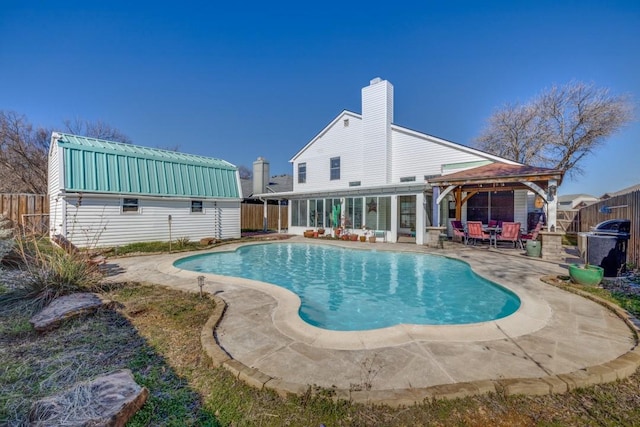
351,290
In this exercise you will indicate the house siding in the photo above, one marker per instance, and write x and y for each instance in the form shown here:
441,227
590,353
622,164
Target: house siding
55,187
520,207
99,222
338,141
414,156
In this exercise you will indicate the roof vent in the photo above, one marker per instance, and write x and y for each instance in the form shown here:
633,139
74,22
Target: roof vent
376,80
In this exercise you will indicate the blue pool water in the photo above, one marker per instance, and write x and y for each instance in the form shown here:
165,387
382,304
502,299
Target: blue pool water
348,290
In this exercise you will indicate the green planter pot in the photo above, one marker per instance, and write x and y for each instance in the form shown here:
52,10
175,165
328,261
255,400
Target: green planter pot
533,248
587,275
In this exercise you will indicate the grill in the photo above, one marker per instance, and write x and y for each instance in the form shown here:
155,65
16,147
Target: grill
606,245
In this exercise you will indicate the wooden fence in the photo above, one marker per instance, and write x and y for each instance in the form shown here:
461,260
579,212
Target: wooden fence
568,221
30,212
252,216
625,206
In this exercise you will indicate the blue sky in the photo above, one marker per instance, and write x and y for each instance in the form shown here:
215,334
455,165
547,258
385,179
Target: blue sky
242,80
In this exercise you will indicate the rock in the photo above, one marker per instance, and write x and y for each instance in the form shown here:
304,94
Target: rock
64,308
206,241
109,400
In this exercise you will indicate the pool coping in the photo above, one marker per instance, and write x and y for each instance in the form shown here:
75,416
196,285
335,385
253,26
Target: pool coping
532,315
616,369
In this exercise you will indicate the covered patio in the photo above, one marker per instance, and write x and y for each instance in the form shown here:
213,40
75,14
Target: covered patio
458,188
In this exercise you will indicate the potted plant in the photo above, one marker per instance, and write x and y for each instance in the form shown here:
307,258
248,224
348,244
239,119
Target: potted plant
353,237
586,275
370,234
320,231
308,233
363,238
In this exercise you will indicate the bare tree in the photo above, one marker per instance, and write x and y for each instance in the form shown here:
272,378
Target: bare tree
558,128
23,155
97,129
245,172
24,150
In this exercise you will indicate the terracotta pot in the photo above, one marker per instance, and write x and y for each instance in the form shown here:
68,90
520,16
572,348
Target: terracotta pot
354,237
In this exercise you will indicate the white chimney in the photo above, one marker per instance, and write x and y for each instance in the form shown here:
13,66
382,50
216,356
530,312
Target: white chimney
260,176
377,116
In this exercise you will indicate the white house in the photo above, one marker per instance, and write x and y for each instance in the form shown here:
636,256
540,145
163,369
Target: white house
104,193
379,174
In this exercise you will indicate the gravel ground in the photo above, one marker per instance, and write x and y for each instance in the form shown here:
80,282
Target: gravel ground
627,285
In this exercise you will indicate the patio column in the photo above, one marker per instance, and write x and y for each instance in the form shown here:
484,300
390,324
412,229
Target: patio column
264,216
436,206
459,203
420,219
552,245
552,205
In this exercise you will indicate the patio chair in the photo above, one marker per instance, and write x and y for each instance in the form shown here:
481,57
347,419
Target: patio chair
534,233
458,231
510,233
475,232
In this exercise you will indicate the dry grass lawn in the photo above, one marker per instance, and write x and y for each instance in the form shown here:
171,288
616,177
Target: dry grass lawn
156,333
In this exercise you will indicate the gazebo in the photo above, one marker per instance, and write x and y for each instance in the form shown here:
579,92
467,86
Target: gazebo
497,177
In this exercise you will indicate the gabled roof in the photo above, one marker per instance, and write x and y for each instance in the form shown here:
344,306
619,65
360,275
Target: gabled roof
277,184
406,131
100,166
325,129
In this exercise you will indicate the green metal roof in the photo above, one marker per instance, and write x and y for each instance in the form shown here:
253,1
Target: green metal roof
95,165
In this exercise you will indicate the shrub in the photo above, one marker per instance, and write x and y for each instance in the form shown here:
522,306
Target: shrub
6,237
48,272
182,242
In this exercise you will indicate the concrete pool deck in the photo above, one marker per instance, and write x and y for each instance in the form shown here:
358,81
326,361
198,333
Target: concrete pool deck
555,342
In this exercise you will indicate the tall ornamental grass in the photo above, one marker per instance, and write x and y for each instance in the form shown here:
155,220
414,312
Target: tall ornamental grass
46,272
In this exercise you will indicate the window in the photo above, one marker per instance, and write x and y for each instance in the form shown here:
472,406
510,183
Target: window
129,205
407,179
302,173
196,206
491,205
316,213
353,214
502,206
478,208
345,122
408,212
354,183
299,213
335,168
